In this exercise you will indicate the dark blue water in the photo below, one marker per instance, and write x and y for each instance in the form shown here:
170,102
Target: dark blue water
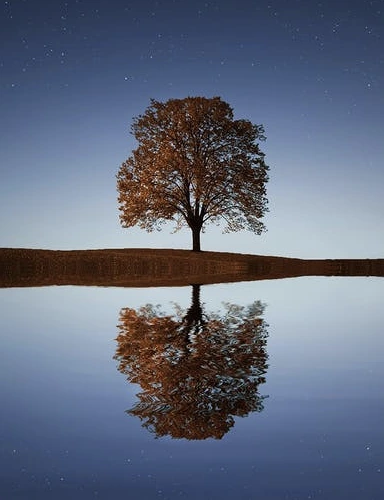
296,406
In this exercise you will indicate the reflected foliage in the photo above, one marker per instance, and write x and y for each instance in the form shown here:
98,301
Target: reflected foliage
197,370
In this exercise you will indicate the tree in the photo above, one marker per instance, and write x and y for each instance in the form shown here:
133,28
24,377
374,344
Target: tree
197,370
194,164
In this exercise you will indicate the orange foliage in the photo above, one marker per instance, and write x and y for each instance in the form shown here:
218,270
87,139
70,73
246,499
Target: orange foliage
194,164
196,372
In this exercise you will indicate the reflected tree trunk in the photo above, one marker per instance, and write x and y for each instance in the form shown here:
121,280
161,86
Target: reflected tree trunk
193,321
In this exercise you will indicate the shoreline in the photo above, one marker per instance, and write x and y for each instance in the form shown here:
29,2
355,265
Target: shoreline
146,267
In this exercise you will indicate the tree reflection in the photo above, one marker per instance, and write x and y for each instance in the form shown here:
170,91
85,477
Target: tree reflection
197,370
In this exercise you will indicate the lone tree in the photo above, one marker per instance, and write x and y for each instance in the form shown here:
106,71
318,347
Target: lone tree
194,164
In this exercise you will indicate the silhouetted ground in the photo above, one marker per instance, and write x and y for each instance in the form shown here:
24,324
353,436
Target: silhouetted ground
21,267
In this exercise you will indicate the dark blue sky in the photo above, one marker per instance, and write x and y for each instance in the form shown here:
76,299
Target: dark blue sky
73,74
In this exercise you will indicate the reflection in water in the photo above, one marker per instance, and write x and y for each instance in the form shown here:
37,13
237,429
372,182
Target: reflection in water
197,370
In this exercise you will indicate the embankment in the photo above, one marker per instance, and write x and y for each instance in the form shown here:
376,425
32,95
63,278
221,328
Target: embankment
21,267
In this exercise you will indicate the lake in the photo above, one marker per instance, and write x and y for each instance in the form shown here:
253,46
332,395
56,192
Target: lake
259,390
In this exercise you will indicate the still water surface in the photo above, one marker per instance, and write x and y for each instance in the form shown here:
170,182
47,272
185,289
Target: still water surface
279,398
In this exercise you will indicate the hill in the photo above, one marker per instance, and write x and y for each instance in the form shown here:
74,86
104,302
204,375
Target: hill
20,267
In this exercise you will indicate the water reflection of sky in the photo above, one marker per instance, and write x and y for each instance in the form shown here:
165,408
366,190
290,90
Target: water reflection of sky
64,432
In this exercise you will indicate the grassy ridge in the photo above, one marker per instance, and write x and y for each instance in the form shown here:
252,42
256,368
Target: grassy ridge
162,267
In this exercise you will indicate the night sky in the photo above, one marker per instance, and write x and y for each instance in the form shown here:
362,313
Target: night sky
73,74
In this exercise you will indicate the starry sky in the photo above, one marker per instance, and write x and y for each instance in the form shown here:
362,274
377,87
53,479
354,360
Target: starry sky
73,75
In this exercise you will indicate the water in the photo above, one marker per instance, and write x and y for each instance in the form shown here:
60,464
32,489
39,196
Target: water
296,408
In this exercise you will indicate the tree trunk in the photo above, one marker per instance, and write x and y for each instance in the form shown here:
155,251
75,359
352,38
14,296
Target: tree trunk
196,238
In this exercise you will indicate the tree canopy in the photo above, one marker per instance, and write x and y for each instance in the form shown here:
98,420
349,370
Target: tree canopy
194,164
